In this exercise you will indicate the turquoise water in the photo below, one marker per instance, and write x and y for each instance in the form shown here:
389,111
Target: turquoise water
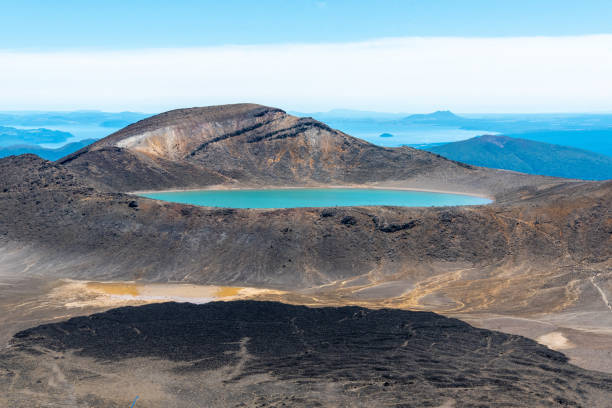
320,197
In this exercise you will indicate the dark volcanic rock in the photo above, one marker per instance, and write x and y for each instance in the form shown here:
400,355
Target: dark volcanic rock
348,220
386,357
384,227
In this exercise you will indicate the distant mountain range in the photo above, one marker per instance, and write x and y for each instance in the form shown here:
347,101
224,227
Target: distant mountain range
591,132
12,136
49,154
35,132
527,156
47,119
52,135
515,123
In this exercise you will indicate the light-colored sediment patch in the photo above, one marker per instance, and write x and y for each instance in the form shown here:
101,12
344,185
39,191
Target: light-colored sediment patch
555,341
78,294
449,403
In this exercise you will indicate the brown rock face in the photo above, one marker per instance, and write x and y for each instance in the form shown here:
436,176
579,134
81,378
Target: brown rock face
256,145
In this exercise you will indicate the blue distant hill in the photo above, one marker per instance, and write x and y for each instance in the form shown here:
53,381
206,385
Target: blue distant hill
49,154
52,135
12,136
527,156
53,119
596,140
440,117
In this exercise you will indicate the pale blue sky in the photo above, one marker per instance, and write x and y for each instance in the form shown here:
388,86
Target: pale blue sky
307,55
121,24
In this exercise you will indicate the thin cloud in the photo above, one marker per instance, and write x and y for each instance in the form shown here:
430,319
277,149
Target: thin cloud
524,74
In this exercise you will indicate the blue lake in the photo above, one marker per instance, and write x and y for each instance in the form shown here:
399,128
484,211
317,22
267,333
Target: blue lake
315,197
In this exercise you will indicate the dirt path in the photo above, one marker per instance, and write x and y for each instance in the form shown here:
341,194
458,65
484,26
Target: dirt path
602,293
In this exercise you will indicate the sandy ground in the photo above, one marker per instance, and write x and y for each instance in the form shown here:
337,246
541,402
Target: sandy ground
585,337
115,294
25,303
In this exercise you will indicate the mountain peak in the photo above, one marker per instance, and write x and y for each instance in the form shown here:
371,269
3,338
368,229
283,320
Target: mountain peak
443,114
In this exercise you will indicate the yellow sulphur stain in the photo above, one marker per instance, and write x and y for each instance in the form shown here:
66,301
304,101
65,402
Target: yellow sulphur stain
226,291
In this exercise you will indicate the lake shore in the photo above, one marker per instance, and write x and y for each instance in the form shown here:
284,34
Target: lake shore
225,187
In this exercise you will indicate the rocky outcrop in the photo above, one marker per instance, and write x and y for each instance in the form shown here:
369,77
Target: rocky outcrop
263,353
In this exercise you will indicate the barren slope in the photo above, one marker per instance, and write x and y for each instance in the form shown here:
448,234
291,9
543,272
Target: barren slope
249,144
86,233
